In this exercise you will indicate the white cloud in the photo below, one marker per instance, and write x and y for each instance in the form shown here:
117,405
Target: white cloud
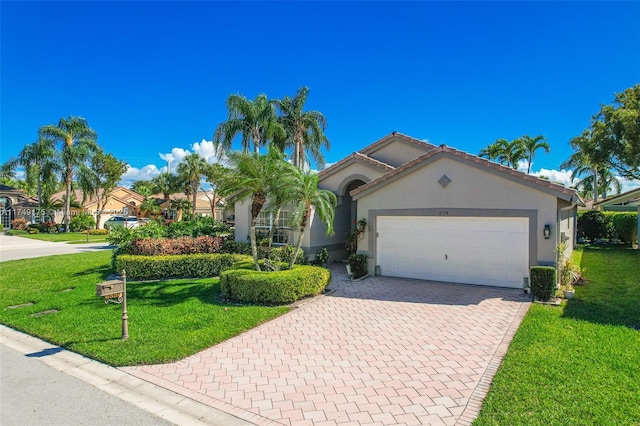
628,185
207,150
562,177
174,157
133,173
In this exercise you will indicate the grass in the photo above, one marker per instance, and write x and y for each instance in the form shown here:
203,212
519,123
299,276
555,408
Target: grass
67,237
168,320
578,363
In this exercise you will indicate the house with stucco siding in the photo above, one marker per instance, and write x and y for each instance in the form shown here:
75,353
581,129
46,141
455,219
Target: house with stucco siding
437,213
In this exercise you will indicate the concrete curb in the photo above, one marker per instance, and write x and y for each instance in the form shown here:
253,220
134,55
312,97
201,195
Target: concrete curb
161,402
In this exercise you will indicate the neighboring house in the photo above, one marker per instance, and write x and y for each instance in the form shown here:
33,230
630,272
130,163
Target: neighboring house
437,213
120,201
203,205
626,202
15,204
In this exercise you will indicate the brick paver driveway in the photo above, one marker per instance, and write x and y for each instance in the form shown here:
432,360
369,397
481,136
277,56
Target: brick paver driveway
379,351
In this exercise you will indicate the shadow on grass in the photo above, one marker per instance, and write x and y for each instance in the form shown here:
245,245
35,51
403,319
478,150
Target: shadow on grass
167,294
603,313
103,271
612,292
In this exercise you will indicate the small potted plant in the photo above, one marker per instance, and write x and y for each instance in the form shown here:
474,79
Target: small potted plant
568,272
322,256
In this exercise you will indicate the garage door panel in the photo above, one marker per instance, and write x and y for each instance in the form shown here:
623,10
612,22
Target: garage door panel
490,251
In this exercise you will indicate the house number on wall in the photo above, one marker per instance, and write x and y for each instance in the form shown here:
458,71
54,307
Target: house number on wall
444,212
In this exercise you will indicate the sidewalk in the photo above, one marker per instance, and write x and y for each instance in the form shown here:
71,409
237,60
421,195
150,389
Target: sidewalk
163,403
13,248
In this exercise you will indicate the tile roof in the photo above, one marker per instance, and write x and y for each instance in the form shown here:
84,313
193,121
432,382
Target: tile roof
395,135
542,184
356,156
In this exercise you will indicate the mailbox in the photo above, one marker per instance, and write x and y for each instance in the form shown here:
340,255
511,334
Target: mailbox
109,288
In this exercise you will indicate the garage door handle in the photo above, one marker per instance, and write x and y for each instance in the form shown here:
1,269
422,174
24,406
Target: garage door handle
446,257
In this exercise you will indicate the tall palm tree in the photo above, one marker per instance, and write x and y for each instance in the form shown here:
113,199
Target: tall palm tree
531,145
304,129
41,164
255,177
165,183
78,143
607,183
255,120
308,198
584,164
505,152
190,173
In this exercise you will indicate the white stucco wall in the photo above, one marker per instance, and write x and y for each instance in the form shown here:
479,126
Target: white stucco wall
470,188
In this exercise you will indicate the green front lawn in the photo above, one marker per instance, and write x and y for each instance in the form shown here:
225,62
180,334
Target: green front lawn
168,320
70,237
579,363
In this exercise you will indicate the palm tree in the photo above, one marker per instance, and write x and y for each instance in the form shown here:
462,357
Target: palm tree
165,183
256,177
40,162
505,152
255,120
78,142
607,183
215,174
190,173
584,164
180,205
531,145
150,206
304,129
308,197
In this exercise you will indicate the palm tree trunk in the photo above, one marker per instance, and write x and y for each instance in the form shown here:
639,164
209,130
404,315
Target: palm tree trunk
213,206
276,217
193,198
67,202
254,246
303,225
595,184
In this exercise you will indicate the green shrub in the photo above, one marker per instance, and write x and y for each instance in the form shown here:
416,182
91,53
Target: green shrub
594,224
625,225
276,287
182,245
237,247
96,231
178,266
286,253
81,222
358,263
1,227
33,231
543,282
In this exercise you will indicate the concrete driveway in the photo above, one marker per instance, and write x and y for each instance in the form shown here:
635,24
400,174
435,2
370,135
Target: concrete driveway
379,351
12,248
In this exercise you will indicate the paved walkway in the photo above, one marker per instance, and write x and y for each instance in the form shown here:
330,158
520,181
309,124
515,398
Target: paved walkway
380,351
13,248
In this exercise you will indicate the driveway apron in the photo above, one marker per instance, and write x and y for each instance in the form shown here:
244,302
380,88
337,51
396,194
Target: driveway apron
379,351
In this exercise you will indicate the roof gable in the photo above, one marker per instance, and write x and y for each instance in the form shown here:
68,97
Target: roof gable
356,157
397,149
543,185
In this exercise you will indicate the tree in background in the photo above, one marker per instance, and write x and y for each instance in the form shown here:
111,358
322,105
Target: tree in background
190,173
141,186
254,120
41,163
166,184
215,174
607,183
304,129
78,144
307,198
530,145
614,134
181,205
505,152
99,178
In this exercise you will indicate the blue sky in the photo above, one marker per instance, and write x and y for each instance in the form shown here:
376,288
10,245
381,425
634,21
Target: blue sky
152,78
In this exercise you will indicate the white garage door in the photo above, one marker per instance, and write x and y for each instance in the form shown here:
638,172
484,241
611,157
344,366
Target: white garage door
475,250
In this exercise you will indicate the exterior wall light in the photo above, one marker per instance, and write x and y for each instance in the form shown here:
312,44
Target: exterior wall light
547,232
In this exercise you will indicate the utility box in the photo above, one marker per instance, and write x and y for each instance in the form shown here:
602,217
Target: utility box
109,288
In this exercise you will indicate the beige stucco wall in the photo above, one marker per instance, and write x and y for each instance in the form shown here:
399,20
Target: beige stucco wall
358,170
471,189
397,153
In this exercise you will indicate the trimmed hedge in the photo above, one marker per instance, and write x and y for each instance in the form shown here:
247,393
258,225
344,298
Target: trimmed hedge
182,245
176,266
594,224
543,282
274,288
